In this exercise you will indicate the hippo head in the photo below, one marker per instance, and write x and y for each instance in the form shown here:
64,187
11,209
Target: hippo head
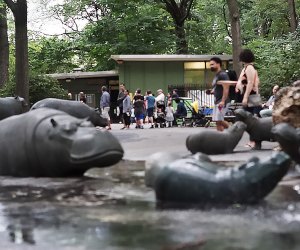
63,145
237,127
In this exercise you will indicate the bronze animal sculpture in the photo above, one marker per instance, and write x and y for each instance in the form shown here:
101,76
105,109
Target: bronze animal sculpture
195,180
289,139
73,108
216,142
10,106
51,143
259,129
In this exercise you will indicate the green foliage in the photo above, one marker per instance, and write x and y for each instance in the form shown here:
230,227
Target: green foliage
277,60
40,87
49,55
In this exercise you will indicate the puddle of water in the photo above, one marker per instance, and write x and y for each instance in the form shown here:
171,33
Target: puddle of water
115,211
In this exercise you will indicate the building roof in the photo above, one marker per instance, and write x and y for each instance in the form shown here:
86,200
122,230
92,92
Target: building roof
156,58
79,74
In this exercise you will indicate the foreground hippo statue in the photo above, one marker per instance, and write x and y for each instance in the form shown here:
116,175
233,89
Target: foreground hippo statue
289,139
10,106
195,180
74,108
259,129
51,143
216,142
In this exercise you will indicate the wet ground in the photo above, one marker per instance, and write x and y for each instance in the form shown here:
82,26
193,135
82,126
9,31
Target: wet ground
111,208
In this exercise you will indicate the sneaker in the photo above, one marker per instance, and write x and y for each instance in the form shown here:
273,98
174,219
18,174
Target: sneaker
141,127
152,126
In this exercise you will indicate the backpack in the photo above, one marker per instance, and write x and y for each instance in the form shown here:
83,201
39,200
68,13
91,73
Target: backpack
236,97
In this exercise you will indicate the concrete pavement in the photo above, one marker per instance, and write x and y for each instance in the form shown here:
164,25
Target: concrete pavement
139,144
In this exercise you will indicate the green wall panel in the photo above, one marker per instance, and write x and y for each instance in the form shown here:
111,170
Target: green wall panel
151,75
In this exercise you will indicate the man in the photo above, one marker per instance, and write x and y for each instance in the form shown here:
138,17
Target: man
221,99
150,104
120,99
105,105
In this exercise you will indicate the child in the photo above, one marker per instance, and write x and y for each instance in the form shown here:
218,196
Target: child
169,115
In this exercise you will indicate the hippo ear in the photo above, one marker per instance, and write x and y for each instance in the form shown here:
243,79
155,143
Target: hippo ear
53,122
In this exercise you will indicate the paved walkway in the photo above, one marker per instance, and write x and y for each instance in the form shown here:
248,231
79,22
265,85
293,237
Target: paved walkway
139,144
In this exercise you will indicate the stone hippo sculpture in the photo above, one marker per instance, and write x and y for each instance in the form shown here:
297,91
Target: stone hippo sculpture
216,142
10,106
51,143
259,129
196,180
74,108
289,139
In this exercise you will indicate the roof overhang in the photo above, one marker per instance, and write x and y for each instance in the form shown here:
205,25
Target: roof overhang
78,75
167,58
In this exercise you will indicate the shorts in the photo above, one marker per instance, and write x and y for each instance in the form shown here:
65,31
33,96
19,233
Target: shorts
219,115
150,112
105,113
139,116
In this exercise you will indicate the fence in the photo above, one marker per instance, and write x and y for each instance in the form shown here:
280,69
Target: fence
195,91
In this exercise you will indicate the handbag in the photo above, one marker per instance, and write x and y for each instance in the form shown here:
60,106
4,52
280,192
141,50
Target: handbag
254,100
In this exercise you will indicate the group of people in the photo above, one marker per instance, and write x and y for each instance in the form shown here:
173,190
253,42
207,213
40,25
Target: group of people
153,109
246,86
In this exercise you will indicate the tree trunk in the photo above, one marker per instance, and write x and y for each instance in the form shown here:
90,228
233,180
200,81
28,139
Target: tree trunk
181,43
4,48
19,9
292,15
179,10
236,33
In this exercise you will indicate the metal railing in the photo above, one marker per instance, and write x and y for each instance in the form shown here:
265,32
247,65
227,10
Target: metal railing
197,92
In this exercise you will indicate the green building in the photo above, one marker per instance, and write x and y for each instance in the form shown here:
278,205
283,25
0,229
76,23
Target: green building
165,72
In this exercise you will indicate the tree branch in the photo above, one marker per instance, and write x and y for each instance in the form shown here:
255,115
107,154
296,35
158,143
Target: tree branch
11,5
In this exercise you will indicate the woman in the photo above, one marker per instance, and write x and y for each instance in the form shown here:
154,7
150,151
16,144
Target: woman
126,109
248,83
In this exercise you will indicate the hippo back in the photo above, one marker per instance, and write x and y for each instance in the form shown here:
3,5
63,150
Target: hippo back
74,108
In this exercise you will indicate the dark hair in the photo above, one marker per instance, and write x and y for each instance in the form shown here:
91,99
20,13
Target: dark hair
104,88
216,59
149,92
177,100
138,91
246,56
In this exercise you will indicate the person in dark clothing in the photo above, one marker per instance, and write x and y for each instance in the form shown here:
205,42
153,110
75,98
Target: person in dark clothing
180,110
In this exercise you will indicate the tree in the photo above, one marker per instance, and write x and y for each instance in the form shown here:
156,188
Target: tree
180,11
19,10
292,15
235,32
4,47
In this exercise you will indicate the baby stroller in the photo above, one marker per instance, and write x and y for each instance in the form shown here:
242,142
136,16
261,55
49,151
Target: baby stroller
198,114
160,120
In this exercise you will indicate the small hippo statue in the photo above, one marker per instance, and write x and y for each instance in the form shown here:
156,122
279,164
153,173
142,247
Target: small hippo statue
10,106
74,108
216,142
51,143
289,139
259,129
